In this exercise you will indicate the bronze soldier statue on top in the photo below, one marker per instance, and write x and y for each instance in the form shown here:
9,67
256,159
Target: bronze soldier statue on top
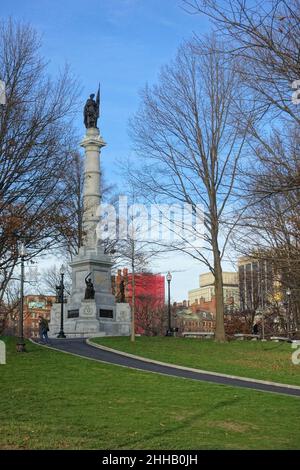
89,290
91,110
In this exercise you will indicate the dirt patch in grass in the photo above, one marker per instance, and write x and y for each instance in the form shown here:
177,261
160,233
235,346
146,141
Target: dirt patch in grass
233,426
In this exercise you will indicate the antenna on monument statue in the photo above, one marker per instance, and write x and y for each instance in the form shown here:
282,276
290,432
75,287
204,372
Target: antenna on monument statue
98,100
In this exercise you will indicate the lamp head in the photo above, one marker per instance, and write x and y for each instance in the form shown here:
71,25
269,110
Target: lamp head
169,277
62,269
23,249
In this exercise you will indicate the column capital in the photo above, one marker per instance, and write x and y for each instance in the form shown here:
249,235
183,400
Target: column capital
92,138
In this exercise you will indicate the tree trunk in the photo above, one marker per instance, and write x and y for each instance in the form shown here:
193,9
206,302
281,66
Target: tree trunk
220,330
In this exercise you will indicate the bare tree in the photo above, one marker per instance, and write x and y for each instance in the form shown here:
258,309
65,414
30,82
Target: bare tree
133,253
270,227
36,139
136,251
50,278
152,316
264,37
9,308
186,132
71,214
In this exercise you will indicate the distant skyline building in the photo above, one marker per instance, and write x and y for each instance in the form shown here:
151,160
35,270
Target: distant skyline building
203,297
256,283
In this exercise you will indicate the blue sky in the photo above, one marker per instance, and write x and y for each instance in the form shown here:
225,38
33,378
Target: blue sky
122,44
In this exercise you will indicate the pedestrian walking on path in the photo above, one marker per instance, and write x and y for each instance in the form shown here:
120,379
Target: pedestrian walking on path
43,329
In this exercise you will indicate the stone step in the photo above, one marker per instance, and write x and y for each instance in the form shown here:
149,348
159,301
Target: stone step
77,334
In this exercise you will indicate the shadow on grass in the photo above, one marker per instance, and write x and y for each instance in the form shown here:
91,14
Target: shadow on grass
185,424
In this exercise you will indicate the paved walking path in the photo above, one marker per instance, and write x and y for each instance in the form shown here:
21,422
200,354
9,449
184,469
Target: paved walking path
79,347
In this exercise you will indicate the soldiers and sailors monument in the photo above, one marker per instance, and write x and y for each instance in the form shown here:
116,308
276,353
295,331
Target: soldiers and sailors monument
91,308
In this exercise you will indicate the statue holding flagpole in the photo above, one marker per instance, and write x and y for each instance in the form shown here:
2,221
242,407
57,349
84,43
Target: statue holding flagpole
91,110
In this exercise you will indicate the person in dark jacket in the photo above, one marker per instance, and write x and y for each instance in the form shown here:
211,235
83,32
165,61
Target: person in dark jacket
255,329
43,329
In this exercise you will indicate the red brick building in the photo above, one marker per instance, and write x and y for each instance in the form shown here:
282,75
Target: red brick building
150,308
205,306
35,306
149,287
187,320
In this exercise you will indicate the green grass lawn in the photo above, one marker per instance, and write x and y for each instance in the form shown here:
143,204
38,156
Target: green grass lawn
255,359
51,400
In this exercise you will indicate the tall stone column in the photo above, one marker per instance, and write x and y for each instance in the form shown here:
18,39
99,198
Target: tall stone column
91,308
92,144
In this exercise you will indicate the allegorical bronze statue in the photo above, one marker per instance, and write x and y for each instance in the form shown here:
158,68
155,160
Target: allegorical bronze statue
121,293
91,110
89,290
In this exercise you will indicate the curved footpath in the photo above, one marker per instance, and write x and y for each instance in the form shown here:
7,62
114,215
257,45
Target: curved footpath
79,347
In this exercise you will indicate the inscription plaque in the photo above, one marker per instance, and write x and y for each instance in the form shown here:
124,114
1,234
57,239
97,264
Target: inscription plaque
105,313
73,313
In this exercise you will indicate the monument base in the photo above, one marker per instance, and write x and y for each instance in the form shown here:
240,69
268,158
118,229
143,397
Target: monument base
87,322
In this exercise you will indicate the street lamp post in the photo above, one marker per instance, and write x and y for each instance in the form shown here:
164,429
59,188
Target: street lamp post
169,279
21,342
61,334
288,293
263,306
